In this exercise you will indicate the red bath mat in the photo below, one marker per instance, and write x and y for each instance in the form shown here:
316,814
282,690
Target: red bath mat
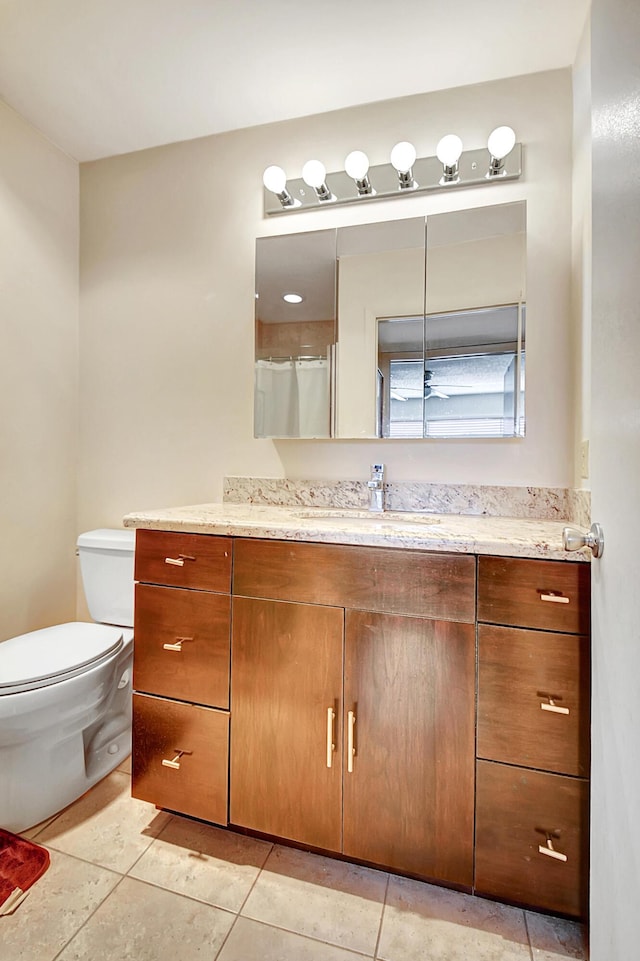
21,864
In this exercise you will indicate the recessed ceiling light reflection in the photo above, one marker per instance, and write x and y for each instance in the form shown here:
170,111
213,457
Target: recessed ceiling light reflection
293,298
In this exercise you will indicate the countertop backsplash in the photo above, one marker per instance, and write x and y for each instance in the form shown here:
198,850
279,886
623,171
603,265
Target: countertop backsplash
542,503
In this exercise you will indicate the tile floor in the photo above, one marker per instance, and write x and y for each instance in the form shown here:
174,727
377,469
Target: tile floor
129,882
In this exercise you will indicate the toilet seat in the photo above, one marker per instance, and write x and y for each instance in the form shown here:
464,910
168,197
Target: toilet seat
54,654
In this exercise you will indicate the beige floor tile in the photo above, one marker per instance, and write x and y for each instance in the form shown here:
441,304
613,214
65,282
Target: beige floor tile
203,862
554,939
253,941
106,826
148,924
316,896
423,922
56,906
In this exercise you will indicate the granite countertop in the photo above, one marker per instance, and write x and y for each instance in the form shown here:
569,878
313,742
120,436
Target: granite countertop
460,533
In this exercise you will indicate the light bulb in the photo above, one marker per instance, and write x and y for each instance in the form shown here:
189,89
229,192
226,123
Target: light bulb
313,173
449,149
275,179
501,142
356,165
403,156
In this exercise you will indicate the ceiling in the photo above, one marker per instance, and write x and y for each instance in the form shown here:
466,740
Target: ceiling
103,77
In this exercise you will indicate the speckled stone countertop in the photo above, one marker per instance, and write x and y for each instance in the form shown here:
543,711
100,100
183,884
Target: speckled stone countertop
467,534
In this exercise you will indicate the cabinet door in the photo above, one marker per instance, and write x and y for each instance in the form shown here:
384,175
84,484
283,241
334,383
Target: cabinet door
408,801
286,676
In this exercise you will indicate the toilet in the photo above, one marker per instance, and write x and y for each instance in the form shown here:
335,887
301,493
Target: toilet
65,692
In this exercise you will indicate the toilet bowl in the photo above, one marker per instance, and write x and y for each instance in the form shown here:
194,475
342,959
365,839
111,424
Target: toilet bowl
65,692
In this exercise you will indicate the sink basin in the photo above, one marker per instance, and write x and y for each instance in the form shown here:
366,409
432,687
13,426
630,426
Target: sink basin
347,516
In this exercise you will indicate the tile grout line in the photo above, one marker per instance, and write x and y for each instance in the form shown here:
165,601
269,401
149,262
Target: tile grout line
277,927
89,916
526,927
384,905
304,937
246,898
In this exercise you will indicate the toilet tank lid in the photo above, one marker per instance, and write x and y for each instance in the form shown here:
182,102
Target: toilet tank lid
108,540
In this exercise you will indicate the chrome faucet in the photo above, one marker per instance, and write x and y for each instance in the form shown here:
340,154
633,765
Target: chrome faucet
376,488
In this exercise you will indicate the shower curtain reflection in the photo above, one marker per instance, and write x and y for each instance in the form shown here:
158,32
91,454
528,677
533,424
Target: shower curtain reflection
292,397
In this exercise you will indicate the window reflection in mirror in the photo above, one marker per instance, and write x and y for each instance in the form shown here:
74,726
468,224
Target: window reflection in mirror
295,334
466,384
475,323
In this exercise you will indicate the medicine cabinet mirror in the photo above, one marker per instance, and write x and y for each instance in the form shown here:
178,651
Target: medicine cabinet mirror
401,329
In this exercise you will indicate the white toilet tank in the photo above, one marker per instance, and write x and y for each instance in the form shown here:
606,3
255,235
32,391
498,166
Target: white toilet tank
106,564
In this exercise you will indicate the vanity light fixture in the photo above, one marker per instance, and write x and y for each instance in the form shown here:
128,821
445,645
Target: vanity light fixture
501,142
314,174
275,179
448,153
293,298
356,165
406,174
403,157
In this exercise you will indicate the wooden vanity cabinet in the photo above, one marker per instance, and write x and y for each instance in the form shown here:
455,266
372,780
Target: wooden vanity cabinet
532,824
397,788
181,672
352,723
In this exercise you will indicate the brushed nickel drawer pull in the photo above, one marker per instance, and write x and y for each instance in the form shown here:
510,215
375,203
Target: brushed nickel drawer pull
351,720
553,707
554,598
175,762
178,644
330,743
550,851
179,560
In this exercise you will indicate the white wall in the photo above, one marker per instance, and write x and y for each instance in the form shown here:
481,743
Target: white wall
582,250
167,297
38,378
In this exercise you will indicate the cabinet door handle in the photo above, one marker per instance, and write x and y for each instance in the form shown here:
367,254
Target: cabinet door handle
178,644
330,742
553,707
351,721
551,852
174,762
554,597
179,560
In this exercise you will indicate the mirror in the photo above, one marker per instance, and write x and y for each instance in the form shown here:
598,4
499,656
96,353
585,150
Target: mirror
295,335
407,329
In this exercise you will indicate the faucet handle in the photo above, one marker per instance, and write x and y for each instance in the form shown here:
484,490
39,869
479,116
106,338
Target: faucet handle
377,471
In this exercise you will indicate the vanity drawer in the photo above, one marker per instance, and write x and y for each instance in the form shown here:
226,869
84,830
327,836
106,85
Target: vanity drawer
517,812
182,645
550,595
522,676
194,782
441,586
197,561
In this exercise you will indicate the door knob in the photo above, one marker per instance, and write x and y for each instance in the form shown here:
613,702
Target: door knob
574,539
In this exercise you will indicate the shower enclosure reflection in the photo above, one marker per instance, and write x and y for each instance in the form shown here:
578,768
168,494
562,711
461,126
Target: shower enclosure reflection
295,335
